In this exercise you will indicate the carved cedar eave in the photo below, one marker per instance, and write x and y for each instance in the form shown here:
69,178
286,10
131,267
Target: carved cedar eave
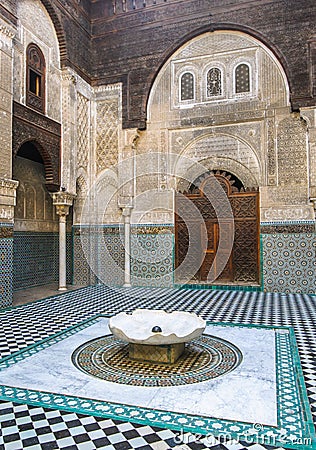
44,134
8,15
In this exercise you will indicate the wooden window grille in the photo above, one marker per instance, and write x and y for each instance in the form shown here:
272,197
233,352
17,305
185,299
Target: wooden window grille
214,82
35,78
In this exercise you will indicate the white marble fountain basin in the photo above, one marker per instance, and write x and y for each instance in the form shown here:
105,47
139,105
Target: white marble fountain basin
177,326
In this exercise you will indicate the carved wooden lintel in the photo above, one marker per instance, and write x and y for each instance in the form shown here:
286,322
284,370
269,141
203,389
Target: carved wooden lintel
45,134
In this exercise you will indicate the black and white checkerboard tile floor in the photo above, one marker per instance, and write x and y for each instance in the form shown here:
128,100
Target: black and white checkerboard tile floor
36,428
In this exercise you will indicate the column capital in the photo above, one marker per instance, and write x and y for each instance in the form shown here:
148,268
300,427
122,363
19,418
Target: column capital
309,115
62,200
127,211
69,76
7,186
7,198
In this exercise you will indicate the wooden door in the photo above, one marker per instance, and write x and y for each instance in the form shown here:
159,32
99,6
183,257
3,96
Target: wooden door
217,262
229,252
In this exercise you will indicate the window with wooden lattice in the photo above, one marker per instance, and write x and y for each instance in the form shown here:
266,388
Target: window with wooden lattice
35,78
214,82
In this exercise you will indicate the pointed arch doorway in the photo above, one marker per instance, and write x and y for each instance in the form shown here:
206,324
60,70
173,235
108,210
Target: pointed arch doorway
35,244
217,241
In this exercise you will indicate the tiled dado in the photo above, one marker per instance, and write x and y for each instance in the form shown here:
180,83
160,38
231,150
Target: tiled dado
289,263
36,259
288,258
98,255
152,248
6,264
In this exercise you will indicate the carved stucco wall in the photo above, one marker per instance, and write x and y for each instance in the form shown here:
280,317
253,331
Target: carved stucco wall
6,54
34,209
83,131
35,26
309,115
98,133
224,152
108,124
224,49
247,134
287,196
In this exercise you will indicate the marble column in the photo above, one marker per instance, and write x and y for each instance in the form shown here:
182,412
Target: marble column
127,244
62,201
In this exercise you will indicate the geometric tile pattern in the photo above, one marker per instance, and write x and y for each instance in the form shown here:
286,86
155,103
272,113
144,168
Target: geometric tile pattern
35,428
111,256
288,259
103,246
152,259
36,259
151,256
6,269
82,274
205,358
293,418
289,262
69,258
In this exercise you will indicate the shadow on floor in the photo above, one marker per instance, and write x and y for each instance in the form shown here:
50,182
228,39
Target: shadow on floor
23,296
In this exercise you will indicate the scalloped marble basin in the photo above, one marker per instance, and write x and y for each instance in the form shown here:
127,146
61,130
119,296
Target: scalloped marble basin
176,327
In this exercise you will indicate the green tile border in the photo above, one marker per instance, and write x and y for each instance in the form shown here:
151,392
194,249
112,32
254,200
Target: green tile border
295,428
218,287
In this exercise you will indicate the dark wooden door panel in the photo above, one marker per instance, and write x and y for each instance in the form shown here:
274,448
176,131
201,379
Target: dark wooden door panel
228,249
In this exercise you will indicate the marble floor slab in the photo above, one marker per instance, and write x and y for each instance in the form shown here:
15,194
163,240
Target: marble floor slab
251,388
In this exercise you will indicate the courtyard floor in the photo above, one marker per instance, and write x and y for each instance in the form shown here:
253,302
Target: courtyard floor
32,422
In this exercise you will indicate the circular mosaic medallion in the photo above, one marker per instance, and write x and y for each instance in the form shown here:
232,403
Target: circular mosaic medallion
203,359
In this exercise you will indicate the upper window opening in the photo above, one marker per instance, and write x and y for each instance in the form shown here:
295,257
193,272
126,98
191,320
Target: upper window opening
187,86
35,83
242,78
214,82
35,92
